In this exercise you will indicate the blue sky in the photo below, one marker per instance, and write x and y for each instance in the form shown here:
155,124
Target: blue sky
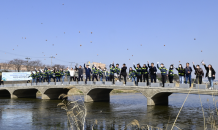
117,25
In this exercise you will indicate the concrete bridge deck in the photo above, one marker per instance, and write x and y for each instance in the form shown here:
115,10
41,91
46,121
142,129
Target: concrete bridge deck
155,95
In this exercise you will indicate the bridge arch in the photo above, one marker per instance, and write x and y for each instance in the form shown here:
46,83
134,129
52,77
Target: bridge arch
5,93
24,93
53,93
97,95
160,98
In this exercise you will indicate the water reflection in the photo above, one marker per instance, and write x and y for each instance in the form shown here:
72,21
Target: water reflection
35,114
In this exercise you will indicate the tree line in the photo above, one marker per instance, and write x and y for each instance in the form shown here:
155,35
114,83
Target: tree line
19,65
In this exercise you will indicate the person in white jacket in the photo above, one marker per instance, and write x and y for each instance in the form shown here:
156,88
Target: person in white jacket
72,74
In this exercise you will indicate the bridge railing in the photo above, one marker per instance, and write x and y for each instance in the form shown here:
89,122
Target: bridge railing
140,84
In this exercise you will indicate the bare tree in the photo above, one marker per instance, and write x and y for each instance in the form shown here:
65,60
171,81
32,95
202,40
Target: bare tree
59,66
5,66
17,64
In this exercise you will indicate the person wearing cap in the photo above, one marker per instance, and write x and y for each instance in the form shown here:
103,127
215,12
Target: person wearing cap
181,72
94,73
123,72
145,73
138,72
188,72
112,71
152,72
171,73
199,73
88,72
163,71
132,75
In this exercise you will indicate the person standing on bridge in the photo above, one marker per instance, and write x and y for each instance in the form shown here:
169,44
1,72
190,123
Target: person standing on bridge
94,73
132,75
145,73
210,74
199,73
107,74
171,73
152,72
112,71
163,71
72,73
62,75
88,72
123,72
49,74
188,76
80,73
117,71
138,72
100,73
67,72
181,72
58,75
33,76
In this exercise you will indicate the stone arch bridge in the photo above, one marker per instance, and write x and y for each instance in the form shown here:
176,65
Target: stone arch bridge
154,95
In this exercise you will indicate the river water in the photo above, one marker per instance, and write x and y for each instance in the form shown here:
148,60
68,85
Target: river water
37,114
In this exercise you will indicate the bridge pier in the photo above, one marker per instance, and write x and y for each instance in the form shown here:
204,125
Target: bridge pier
98,95
158,99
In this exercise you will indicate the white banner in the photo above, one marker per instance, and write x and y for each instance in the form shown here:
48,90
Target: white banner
16,76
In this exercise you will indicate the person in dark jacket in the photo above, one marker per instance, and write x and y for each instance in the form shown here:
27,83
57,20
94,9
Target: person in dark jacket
199,73
58,76
210,74
88,72
123,72
163,71
80,73
188,72
138,72
145,73
100,73
181,72
152,72
171,73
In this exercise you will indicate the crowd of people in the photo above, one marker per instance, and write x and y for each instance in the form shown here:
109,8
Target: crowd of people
136,73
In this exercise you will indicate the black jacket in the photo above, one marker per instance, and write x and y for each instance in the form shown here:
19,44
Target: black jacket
198,72
213,72
188,69
80,71
123,71
152,70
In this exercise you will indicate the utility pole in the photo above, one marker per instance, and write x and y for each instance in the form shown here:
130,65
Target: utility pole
71,64
51,59
27,59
